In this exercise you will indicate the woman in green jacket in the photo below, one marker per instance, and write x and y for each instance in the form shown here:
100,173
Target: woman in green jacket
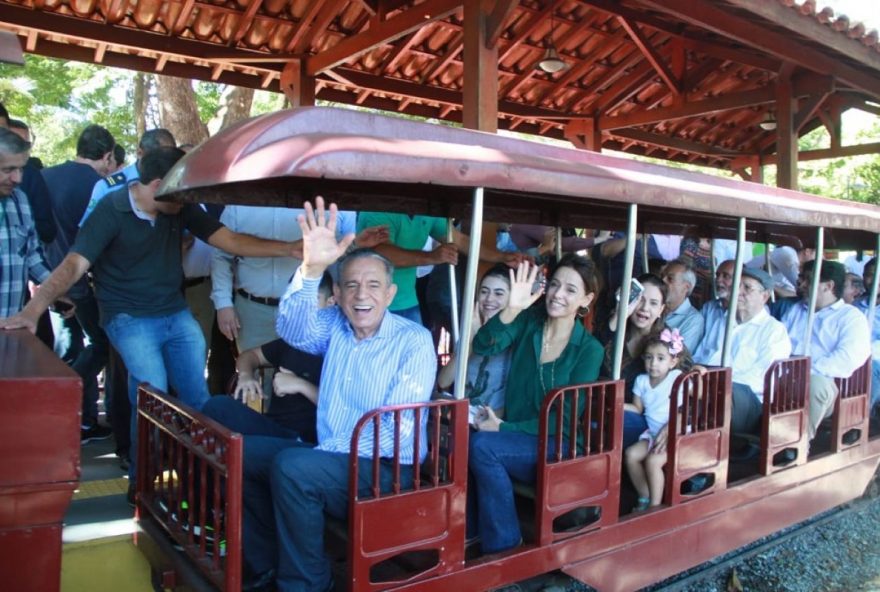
549,348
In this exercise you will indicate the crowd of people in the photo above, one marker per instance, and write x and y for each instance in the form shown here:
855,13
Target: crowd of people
324,311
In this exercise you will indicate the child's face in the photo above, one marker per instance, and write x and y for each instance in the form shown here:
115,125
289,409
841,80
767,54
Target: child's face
658,361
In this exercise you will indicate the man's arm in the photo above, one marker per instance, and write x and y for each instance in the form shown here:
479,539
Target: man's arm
487,252
221,282
247,387
245,245
444,253
59,282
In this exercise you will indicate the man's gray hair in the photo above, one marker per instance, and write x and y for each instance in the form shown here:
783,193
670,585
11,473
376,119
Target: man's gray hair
688,274
366,254
11,143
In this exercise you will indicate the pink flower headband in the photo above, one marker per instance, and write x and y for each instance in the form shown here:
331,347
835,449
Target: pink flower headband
673,339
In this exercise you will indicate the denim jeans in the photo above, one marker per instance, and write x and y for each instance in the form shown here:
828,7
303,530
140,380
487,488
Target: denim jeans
240,418
633,426
92,358
495,460
163,351
287,489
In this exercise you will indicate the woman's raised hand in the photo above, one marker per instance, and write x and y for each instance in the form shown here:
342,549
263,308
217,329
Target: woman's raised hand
320,248
522,281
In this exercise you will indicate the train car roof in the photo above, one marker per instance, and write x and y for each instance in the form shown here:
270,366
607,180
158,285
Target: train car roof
368,162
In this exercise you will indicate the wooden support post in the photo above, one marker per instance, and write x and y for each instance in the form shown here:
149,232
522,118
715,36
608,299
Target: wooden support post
757,171
584,134
786,136
297,86
480,94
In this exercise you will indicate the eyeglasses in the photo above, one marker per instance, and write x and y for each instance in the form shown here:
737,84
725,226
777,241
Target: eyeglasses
751,288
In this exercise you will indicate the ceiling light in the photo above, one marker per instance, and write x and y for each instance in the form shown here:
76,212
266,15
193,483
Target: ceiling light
768,123
551,63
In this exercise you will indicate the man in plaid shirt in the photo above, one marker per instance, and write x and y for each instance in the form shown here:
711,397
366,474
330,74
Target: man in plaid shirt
21,256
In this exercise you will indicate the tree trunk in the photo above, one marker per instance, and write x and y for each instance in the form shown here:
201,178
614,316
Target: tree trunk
140,103
235,105
178,111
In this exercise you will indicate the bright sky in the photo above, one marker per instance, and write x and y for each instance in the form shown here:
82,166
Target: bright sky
866,11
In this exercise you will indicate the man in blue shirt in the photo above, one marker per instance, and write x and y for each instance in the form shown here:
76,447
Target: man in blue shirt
372,358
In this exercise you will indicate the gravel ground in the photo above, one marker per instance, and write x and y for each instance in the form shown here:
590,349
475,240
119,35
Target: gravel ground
842,555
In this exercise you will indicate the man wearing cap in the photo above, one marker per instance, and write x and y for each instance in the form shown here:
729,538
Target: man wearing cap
757,341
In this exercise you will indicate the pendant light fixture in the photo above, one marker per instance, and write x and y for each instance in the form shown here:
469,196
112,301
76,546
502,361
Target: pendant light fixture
551,63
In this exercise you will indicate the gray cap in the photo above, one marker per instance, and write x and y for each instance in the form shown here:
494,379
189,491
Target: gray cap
756,273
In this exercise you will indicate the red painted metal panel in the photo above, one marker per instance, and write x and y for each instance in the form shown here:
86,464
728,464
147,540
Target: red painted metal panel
30,558
583,469
786,413
851,408
698,431
434,506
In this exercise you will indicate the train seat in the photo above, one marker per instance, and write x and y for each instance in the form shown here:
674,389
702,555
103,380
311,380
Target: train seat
849,423
784,440
699,435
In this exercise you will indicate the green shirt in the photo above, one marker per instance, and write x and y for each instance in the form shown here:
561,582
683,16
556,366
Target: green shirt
579,363
406,232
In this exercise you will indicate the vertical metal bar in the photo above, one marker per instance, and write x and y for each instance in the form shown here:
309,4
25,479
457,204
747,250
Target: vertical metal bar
620,330
814,289
453,287
872,295
768,251
715,265
646,239
558,245
470,289
734,291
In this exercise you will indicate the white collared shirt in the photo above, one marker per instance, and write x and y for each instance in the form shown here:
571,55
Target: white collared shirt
840,342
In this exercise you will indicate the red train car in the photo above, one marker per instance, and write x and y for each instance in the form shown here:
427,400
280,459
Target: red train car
576,514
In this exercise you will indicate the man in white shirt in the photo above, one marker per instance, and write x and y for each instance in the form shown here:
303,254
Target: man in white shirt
758,340
840,342
680,280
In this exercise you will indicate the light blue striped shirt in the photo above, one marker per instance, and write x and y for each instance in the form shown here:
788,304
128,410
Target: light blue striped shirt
715,322
395,366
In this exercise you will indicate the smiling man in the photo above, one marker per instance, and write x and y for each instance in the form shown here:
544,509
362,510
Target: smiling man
372,358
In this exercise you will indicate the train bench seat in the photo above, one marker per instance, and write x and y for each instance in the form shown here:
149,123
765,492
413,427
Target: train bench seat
190,485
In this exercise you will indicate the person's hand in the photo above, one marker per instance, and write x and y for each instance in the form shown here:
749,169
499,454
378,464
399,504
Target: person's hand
514,259
228,323
521,283
548,245
247,388
487,421
372,236
660,441
320,248
700,368
445,253
476,320
19,322
286,382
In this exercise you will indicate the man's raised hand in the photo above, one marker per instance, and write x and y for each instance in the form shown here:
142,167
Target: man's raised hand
320,248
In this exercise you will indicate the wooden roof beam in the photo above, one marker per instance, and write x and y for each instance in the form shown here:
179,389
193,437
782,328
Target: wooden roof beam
182,18
803,86
500,14
245,21
314,22
820,154
675,143
868,108
710,16
808,110
644,45
537,19
381,33
453,48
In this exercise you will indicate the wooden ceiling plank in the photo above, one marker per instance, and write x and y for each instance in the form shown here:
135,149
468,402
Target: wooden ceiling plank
651,55
621,69
796,22
675,143
803,86
622,89
713,18
399,50
99,53
161,61
245,21
500,15
31,43
299,40
453,48
536,21
384,32
268,77
183,17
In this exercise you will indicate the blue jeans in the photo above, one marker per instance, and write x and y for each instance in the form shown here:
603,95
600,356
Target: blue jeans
240,418
161,351
495,460
287,489
875,384
633,426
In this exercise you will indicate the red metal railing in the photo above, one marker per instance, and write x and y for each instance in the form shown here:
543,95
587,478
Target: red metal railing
698,432
786,414
430,495
851,409
579,466
189,482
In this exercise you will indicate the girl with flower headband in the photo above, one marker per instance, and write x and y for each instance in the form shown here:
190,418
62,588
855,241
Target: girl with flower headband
664,355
